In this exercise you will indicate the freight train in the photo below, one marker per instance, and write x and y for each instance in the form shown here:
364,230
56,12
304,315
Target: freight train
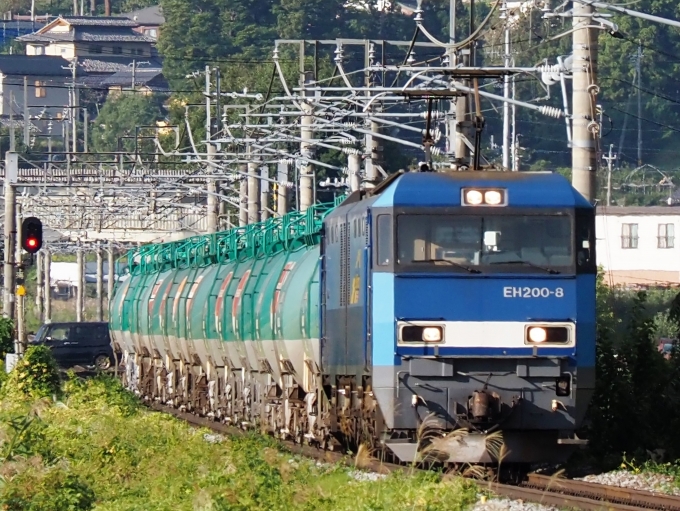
462,303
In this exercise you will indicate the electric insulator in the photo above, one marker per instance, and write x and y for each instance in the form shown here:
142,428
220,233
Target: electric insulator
551,111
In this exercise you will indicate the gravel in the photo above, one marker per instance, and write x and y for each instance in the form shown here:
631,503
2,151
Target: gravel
501,504
365,476
647,481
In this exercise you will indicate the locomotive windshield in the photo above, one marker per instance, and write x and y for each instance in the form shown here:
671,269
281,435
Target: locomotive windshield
486,243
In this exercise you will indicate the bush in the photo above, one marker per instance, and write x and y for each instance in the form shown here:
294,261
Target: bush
636,405
47,490
36,375
6,337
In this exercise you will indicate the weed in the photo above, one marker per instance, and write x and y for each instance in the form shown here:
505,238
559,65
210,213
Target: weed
36,375
99,449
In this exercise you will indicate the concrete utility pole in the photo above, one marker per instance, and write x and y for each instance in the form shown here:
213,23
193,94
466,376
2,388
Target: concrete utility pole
513,133
20,276
48,289
81,279
112,274
584,157
208,123
74,108
17,227
27,120
638,71
373,145
39,301
264,193
11,176
212,192
307,169
282,189
243,197
354,164
100,284
85,130
253,193
506,94
12,128
610,159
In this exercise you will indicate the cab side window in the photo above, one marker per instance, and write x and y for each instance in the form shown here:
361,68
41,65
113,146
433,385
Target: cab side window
58,334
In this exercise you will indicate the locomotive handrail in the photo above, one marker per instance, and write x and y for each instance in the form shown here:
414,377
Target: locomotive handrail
291,232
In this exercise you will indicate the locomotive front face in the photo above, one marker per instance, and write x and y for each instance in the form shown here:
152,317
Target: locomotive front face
484,319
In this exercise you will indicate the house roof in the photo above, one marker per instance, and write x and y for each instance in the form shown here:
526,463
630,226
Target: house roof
149,16
98,21
113,64
143,76
89,29
93,34
637,210
35,65
17,123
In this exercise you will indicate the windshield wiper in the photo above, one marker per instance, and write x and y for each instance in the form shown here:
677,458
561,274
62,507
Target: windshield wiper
549,270
452,263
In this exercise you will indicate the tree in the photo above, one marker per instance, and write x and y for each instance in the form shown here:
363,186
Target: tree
119,117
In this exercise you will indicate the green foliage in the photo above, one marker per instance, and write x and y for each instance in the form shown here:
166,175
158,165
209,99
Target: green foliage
6,337
36,375
118,118
48,490
101,449
636,406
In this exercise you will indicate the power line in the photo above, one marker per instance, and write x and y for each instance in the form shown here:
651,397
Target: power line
671,128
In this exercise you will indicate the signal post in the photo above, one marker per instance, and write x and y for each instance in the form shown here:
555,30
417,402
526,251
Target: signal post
31,240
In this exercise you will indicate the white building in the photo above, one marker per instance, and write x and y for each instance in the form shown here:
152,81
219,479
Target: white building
636,245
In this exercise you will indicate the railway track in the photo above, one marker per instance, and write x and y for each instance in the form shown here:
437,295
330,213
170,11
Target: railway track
602,496
537,488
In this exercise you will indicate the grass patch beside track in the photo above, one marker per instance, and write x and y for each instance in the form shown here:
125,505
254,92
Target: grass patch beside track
98,448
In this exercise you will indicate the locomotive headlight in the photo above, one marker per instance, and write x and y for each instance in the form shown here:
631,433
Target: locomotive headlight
473,197
549,334
484,197
537,334
432,334
419,334
493,197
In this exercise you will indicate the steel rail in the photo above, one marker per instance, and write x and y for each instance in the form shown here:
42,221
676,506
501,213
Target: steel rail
614,495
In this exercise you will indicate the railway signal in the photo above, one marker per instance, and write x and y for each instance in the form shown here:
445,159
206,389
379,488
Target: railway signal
31,235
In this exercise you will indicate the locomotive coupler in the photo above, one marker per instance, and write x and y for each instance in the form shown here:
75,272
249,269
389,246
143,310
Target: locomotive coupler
483,405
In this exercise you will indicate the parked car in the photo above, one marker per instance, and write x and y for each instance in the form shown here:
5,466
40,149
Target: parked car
83,344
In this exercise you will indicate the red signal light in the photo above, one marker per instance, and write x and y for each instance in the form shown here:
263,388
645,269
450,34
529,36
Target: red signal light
32,242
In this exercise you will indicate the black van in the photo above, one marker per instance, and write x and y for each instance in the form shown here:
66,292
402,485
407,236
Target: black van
83,344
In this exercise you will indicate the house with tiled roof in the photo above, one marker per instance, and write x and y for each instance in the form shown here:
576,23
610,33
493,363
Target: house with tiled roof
146,80
39,81
150,20
101,45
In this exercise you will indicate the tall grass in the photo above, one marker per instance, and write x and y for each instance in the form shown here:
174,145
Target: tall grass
99,449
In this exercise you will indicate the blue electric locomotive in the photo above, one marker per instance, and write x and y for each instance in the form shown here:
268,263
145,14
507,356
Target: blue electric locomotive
462,301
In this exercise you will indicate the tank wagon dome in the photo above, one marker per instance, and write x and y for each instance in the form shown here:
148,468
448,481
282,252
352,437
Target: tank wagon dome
524,189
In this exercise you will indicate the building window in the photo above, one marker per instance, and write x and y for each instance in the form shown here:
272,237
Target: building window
151,32
40,50
629,236
117,50
666,237
95,49
40,90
